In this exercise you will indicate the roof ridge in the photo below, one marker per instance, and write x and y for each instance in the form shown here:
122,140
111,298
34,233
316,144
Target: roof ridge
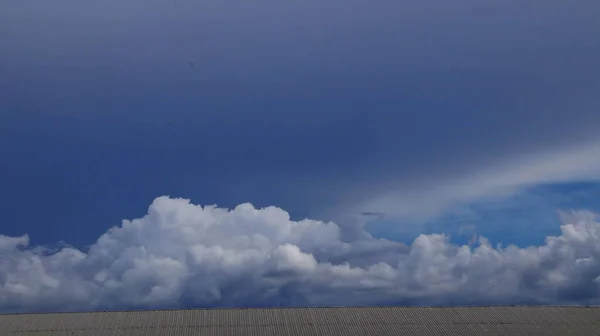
298,307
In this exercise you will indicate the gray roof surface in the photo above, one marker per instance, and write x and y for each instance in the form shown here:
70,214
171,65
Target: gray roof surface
314,321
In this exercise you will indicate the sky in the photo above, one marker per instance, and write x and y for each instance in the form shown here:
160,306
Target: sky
218,154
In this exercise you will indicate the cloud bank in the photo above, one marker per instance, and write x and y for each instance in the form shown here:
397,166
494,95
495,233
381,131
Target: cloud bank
401,107
183,255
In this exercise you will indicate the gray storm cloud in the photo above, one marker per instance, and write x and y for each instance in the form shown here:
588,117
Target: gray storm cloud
181,254
345,102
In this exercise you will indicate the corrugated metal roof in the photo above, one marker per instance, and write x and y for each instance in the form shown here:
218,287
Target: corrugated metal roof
315,321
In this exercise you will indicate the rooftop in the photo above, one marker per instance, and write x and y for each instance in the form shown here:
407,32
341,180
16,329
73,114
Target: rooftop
545,320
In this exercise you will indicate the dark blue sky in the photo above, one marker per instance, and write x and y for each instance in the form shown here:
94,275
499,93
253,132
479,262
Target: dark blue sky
428,132
319,108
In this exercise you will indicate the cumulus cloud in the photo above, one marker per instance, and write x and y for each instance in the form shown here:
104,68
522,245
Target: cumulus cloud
182,255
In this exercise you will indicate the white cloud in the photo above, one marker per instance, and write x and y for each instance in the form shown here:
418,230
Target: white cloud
181,254
492,181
